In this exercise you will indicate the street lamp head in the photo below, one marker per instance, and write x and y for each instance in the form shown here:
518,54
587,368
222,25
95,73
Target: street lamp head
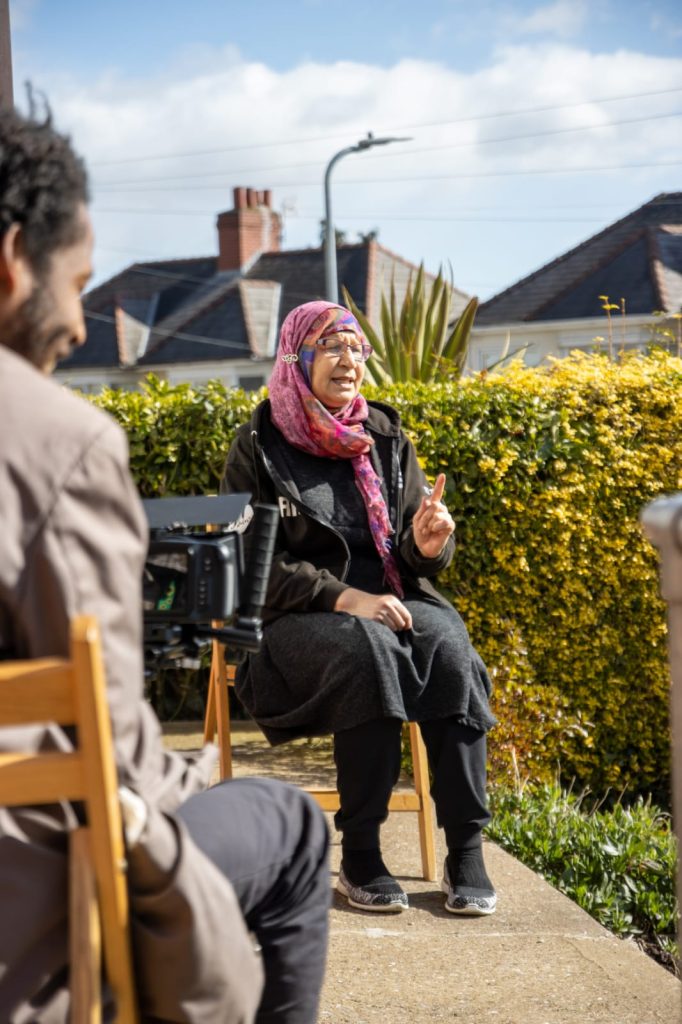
330,238
382,141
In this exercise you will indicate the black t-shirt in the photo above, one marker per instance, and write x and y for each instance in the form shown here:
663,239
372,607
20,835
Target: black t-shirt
327,486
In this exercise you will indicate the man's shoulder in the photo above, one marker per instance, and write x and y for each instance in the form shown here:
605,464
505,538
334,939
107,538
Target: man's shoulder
36,406
48,438
45,429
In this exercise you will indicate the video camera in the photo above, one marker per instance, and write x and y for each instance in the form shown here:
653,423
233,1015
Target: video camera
197,586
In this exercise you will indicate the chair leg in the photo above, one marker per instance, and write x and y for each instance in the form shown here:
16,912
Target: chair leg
425,812
105,831
210,722
222,709
218,704
85,939
218,719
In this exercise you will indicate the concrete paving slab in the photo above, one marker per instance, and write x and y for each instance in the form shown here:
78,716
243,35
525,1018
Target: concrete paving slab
539,960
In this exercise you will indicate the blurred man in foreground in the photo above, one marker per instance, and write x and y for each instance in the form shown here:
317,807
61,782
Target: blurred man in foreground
209,869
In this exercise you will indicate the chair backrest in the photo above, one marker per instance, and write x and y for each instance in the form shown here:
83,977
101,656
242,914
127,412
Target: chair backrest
71,692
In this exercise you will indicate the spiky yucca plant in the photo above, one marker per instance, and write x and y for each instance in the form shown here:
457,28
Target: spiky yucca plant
415,343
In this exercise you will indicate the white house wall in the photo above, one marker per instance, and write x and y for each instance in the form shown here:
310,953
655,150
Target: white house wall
554,338
232,375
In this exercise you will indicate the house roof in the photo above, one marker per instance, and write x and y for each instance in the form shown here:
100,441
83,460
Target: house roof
172,311
301,274
638,258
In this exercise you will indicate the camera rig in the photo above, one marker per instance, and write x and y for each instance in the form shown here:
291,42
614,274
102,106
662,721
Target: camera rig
199,584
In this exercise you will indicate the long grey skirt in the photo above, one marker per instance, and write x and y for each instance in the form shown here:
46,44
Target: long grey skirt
322,672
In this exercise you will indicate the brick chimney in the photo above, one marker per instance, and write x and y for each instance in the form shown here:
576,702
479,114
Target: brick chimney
251,228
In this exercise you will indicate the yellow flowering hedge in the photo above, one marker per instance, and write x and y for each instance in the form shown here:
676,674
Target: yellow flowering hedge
548,470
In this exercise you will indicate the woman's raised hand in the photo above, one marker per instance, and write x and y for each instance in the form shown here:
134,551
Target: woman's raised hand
432,523
384,608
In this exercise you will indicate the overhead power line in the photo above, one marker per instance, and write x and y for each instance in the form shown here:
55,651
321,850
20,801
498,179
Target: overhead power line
493,218
200,339
403,127
452,220
386,216
497,213
112,186
448,176
172,275
182,335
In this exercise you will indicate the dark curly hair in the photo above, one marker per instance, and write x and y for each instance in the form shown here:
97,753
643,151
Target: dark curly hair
42,183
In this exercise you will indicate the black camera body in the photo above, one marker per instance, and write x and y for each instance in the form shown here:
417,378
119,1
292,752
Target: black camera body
197,585
192,579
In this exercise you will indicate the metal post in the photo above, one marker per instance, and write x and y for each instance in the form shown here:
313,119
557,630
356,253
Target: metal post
662,523
6,92
330,272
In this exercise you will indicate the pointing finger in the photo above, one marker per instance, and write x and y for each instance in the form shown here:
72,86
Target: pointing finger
439,487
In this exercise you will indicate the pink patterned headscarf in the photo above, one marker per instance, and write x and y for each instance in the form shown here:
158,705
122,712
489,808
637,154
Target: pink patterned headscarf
307,424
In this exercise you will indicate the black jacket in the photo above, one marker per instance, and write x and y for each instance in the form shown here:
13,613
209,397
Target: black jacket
311,558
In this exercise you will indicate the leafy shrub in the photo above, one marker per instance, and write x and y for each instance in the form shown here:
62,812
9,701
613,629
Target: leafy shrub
618,865
417,342
547,471
178,435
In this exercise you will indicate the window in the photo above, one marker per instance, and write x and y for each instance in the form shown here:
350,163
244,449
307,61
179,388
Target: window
251,382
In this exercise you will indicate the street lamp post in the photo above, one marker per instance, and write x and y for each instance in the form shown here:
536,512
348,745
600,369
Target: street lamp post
330,273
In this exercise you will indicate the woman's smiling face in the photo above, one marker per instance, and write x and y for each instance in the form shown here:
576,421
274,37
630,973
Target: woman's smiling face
335,379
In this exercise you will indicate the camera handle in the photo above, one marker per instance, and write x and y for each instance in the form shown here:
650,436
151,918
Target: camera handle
246,630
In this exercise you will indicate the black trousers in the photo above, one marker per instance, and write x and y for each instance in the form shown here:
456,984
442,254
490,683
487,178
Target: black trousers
271,841
368,765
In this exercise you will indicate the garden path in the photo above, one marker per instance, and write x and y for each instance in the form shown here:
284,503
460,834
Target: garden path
539,960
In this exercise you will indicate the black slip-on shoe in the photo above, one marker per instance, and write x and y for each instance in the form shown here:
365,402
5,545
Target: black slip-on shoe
463,899
382,895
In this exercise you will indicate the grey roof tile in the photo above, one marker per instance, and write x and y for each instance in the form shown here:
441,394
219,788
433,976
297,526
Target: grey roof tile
301,274
174,311
618,261
668,265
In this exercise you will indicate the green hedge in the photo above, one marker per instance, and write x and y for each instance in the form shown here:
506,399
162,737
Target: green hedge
178,435
548,471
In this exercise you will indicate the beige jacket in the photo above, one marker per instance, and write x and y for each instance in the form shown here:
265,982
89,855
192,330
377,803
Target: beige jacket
73,539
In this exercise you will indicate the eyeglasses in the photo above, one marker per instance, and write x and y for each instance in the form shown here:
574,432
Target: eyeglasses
334,347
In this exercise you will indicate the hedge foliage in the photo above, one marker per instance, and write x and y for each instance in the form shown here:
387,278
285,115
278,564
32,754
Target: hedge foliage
619,865
178,435
548,471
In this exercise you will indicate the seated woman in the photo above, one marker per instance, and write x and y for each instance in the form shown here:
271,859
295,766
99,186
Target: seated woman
356,639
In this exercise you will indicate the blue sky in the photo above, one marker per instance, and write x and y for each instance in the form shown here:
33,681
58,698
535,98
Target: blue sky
533,124
282,33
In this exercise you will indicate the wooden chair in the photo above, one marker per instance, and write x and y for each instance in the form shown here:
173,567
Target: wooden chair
71,692
217,720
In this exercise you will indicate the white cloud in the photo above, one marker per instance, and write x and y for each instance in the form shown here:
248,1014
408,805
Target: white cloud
563,19
664,25
21,13
288,125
